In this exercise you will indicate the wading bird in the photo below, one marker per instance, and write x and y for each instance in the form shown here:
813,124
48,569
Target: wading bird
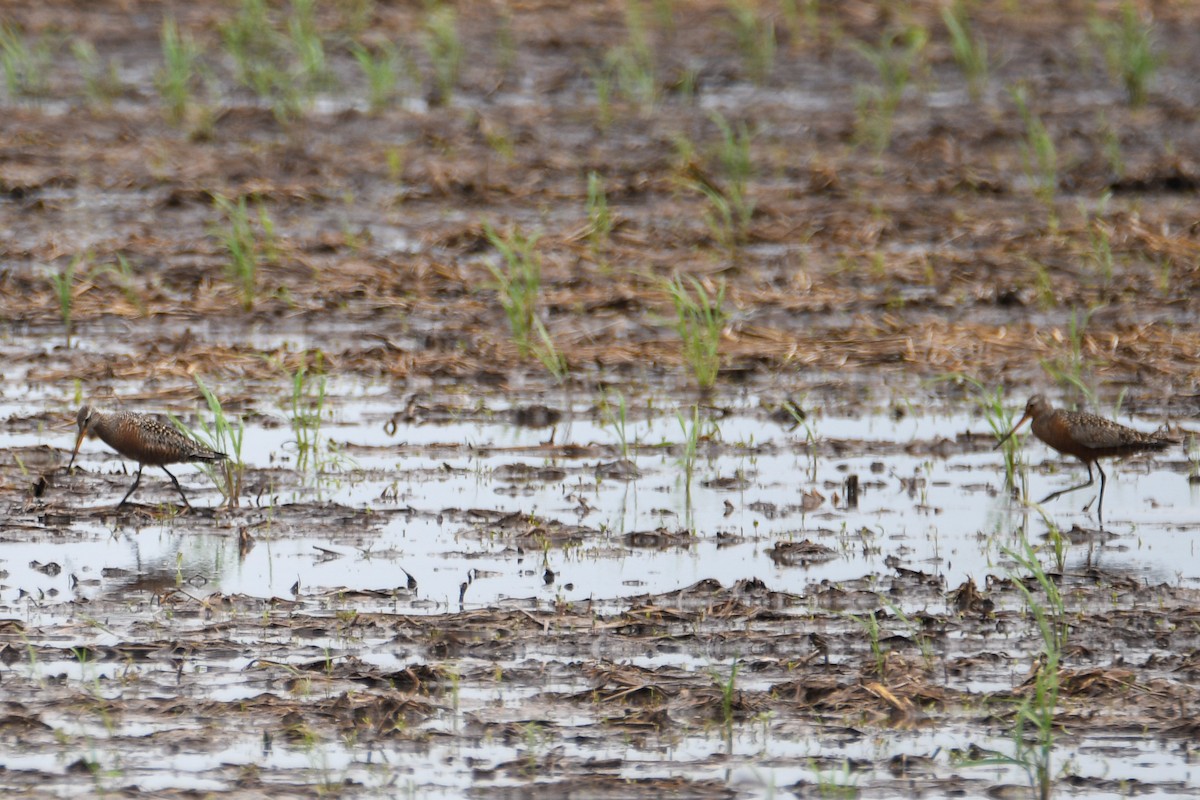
1087,437
142,438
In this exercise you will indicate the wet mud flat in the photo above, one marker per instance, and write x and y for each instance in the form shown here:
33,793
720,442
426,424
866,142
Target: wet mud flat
463,565
708,691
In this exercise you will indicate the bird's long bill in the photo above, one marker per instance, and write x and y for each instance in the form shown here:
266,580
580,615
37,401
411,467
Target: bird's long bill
75,452
1008,435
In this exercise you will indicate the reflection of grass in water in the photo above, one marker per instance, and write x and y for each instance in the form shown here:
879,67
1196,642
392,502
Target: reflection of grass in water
691,438
307,406
805,421
695,428
614,412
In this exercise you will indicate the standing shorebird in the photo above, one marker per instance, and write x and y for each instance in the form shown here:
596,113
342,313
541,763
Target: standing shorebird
142,438
1087,437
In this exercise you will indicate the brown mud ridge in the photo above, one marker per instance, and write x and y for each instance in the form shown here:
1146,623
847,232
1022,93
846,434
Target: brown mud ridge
861,268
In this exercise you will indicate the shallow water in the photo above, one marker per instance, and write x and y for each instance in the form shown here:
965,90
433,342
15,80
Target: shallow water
947,516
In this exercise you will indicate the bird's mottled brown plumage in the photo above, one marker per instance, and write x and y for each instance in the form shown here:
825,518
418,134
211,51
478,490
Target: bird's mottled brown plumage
1087,437
143,438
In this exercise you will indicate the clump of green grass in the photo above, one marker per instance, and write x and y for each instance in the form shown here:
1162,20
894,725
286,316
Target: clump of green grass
800,20
700,319
123,275
63,282
992,403
285,62
445,50
26,67
1038,153
630,68
738,166
308,47
1069,367
355,16
1042,284
381,68
246,249
250,39
730,208
602,83
1129,50
101,82
755,34
1001,420
600,220
546,351
225,437
728,687
518,280
970,50
178,76
1033,722
896,58
1112,146
1099,254
1163,275
870,625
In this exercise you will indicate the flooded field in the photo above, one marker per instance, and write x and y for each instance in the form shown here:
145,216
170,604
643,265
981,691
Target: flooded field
611,394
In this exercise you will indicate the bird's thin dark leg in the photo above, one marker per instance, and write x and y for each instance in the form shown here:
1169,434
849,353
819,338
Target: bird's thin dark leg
1061,492
137,479
1100,504
177,486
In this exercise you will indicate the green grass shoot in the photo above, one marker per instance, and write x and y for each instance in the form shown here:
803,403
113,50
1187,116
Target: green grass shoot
699,320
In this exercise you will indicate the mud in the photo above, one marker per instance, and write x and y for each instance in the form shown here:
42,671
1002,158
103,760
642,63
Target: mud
450,572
